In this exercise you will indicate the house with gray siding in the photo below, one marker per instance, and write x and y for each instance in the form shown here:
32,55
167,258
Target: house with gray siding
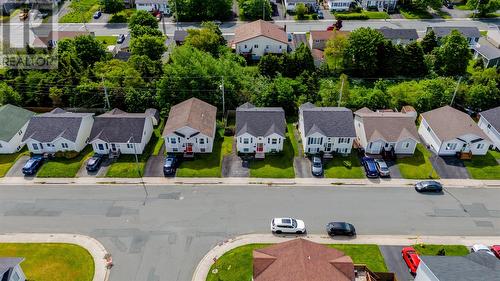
14,122
489,122
10,269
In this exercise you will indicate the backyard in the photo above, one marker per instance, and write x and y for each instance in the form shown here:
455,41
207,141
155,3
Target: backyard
417,166
51,261
348,167
484,167
80,11
7,160
61,167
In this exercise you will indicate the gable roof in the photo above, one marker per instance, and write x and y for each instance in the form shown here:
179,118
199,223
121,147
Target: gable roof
464,268
259,28
449,123
260,121
388,126
7,264
399,33
57,123
301,259
180,35
328,121
492,116
13,119
194,113
486,49
467,31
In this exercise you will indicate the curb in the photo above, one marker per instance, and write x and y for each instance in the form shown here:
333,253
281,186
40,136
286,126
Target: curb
94,247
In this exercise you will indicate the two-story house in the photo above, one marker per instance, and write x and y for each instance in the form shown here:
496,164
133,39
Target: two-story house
381,5
14,122
338,5
471,33
489,122
291,4
258,38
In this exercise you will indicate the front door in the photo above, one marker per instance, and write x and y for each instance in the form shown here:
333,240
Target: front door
113,147
260,147
189,147
328,147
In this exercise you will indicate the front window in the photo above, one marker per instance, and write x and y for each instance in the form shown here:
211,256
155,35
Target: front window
64,145
129,145
202,141
451,146
173,140
100,146
245,140
480,145
274,141
294,223
35,146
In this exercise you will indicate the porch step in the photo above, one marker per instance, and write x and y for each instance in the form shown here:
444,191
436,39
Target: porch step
260,155
188,155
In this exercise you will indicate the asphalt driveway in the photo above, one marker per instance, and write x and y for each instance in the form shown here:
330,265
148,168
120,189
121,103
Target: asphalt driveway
99,173
16,169
302,167
449,167
395,263
154,165
233,166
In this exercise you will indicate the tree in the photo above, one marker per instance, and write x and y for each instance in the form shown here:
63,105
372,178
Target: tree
301,11
429,42
414,62
88,49
360,56
483,7
202,10
390,58
329,91
148,45
255,9
56,94
423,4
208,38
9,95
453,56
140,30
299,61
142,18
335,48
112,6
271,65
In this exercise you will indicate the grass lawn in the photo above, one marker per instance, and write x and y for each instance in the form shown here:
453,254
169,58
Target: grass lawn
443,14
51,261
237,263
366,14
107,40
484,167
7,160
64,168
432,250
160,140
336,168
80,11
409,13
417,166
291,128
462,7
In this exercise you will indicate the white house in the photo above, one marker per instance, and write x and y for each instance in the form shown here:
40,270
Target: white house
471,33
326,129
291,4
120,132
381,5
58,130
10,269
190,127
449,131
260,130
14,122
258,38
489,122
152,5
385,131
339,5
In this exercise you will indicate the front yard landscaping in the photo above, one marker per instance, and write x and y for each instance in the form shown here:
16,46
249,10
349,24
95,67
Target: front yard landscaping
433,250
81,11
106,40
348,167
412,14
8,160
484,167
51,261
417,166
61,167
363,15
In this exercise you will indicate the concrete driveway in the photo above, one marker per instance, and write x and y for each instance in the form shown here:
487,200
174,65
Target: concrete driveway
395,263
449,167
302,167
16,169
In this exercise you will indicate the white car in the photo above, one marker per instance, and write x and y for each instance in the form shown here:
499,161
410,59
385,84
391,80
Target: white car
287,225
481,248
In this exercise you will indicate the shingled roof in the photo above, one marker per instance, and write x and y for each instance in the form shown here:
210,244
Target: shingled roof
399,33
194,113
328,121
467,31
259,28
493,117
388,126
260,121
13,119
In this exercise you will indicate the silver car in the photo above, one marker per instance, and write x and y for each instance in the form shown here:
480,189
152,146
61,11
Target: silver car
317,166
382,168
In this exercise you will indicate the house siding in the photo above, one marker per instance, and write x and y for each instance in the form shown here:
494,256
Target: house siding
253,141
491,132
15,143
17,270
180,144
360,131
424,273
264,45
339,5
451,147
151,7
428,136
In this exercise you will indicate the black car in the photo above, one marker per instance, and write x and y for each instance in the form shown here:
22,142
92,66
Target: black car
370,167
32,165
94,163
429,186
340,228
170,165
120,38
97,14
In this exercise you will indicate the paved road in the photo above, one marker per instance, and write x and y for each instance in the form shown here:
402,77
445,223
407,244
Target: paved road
392,257
165,239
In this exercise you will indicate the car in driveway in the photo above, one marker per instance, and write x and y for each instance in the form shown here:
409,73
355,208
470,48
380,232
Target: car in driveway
496,250
94,162
429,186
170,165
481,248
370,167
32,165
120,39
287,225
340,228
97,14
382,168
411,259
320,15
316,166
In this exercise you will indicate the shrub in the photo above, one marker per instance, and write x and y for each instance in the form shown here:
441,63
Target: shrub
67,154
118,18
354,16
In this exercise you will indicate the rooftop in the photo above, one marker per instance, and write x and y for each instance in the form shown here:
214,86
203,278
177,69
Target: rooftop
259,28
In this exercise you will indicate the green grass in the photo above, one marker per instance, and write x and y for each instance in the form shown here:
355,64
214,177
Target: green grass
278,165
409,13
443,14
483,32
291,128
8,160
160,140
51,261
237,263
335,167
432,250
417,166
106,40
363,15
80,11
484,167
462,7
64,168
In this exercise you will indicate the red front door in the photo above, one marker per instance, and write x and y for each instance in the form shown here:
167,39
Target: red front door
260,147
189,148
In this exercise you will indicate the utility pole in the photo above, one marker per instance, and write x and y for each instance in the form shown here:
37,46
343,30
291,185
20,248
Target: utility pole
456,89
263,10
139,172
106,97
223,98
341,89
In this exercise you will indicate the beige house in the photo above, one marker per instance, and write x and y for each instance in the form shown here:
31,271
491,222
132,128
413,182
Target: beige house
258,38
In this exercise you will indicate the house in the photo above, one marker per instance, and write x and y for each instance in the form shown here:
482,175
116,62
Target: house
339,5
493,36
449,131
128,4
180,36
300,259
10,269
489,122
326,129
474,266
318,38
399,36
380,5
50,41
14,121
258,38
152,5
118,132
318,57
290,4
260,130
385,131
487,52
471,33
190,127
58,130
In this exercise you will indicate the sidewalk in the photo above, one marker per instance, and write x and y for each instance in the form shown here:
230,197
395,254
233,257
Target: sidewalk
95,248
201,271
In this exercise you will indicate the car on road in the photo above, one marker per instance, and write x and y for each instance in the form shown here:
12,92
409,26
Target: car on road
120,39
481,248
340,228
320,15
382,168
97,14
287,225
170,165
94,162
411,259
370,167
496,250
429,186
316,166
32,165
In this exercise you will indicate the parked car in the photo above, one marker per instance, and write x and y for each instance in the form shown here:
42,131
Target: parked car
411,259
287,225
316,166
481,248
382,168
340,228
428,186
496,250
32,165
94,163
330,28
159,16
97,14
120,38
320,15
170,165
24,14
290,37
448,4
370,167
167,12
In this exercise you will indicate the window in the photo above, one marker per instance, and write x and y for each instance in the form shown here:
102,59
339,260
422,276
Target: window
489,126
428,129
175,150
202,141
274,141
256,46
451,146
129,145
245,149
406,145
20,132
348,140
245,141
100,146
173,141
370,146
1,145
202,149
64,145
480,145
35,146
246,46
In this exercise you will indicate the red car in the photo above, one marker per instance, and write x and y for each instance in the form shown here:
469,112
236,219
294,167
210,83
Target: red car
496,250
411,259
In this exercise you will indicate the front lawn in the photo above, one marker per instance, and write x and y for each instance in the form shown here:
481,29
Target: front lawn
348,167
160,140
8,160
363,15
51,261
106,40
484,167
278,165
417,166
409,13
433,250
367,254
80,11
61,167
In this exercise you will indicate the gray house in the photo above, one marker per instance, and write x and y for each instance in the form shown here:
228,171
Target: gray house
487,52
399,36
471,33
10,269
381,5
